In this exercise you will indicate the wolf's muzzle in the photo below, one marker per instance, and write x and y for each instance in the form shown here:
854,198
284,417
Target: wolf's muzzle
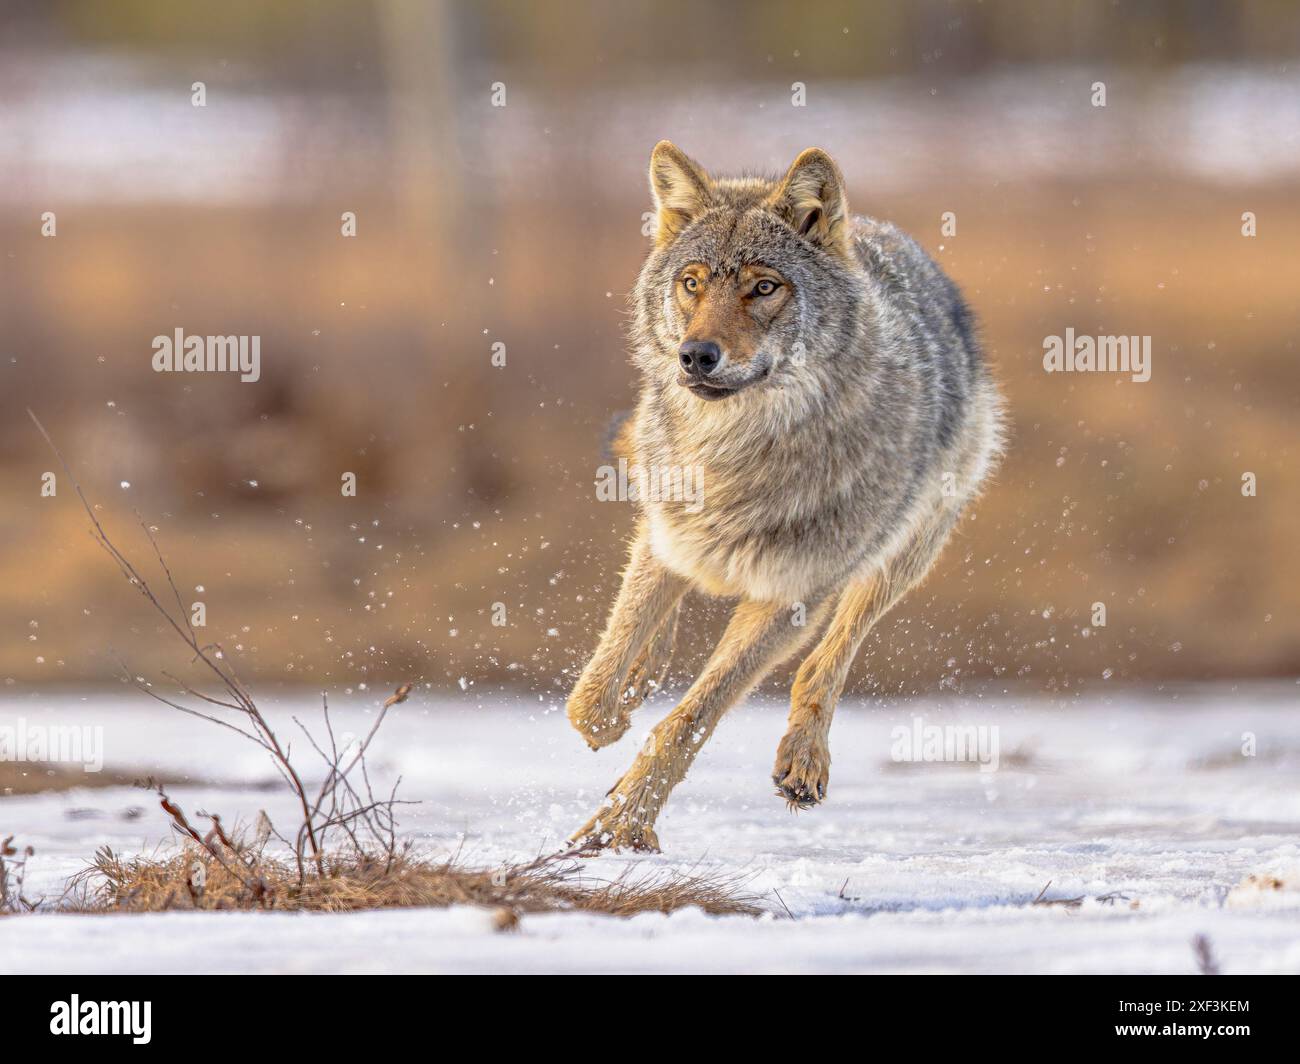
699,358
720,379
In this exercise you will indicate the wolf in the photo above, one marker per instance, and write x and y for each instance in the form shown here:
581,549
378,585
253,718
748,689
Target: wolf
825,378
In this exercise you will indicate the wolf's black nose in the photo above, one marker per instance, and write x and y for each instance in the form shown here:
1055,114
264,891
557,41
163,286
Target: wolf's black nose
699,357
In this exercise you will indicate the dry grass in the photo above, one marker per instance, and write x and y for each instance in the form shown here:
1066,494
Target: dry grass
13,874
196,879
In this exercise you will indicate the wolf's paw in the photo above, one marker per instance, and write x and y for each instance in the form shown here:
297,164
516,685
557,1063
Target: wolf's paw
599,715
802,769
607,831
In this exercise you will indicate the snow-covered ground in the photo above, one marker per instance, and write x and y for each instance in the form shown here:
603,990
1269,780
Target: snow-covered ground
1144,800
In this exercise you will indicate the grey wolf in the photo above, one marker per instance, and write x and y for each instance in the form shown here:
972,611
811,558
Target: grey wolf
825,376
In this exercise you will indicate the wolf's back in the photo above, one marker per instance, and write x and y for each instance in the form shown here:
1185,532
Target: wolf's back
930,318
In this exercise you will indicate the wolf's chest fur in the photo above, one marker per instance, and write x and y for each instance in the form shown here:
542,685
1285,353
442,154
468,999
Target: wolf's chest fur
751,551
776,518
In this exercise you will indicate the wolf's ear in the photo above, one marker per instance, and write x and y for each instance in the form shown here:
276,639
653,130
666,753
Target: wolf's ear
812,200
681,188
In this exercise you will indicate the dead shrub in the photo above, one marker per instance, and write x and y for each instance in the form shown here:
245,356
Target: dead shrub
243,878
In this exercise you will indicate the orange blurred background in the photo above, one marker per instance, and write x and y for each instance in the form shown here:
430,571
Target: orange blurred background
522,225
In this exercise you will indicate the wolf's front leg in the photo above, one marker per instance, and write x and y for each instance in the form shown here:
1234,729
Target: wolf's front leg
651,666
646,602
758,637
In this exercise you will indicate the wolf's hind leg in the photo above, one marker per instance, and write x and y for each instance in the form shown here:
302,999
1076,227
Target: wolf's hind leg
758,637
803,758
648,595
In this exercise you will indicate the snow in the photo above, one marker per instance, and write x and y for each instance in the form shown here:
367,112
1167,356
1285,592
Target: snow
140,143
1139,798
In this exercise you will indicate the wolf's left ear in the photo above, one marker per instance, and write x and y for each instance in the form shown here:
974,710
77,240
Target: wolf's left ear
681,188
812,200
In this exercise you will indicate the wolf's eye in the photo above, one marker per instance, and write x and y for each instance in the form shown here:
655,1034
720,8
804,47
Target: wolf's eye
690,284
765,287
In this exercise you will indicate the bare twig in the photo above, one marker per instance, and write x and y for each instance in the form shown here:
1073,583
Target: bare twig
338,804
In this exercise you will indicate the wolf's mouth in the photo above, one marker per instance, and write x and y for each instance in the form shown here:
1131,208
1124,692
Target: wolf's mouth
708,391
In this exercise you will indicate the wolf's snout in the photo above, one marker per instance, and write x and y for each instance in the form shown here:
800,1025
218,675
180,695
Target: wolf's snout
699,358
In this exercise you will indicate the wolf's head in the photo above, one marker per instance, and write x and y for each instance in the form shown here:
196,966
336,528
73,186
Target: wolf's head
746,275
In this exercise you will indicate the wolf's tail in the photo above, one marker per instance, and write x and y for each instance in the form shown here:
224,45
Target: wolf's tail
617,442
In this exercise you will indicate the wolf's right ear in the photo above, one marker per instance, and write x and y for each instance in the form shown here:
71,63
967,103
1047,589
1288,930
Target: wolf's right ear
681,189
811,198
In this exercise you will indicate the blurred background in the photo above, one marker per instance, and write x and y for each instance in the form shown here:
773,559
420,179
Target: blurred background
521,225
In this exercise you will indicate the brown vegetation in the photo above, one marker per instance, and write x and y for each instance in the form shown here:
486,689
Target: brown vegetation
195,878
